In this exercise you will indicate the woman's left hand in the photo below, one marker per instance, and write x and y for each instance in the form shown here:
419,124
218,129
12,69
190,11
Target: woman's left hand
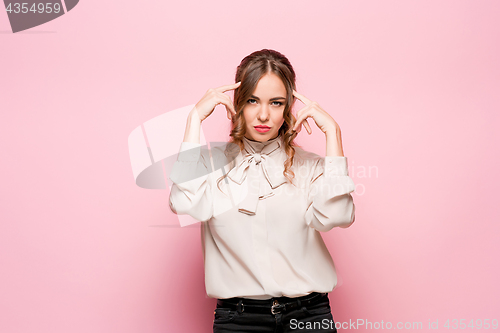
323,120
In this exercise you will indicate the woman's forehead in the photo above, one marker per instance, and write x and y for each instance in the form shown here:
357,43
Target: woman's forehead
270,86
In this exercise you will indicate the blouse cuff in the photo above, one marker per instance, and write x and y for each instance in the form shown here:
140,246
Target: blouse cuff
189,152
335,166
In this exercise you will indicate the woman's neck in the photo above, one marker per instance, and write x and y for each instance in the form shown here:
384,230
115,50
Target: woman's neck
262,141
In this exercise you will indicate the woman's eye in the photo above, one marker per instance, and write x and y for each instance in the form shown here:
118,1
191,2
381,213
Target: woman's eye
277,103
252,101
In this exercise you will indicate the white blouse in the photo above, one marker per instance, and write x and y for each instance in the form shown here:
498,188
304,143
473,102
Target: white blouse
260,233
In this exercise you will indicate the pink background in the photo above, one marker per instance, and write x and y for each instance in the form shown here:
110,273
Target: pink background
414,86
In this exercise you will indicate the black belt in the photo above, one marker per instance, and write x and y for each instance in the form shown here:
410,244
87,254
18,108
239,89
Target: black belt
273,305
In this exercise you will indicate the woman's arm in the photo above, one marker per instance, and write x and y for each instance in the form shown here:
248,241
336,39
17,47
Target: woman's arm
205,107
325,123
334,142
191,174
191,192
329,202
193,127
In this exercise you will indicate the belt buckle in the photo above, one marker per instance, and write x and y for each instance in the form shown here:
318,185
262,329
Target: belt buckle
275,305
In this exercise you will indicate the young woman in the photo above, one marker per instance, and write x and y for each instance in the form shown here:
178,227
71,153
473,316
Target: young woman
263,201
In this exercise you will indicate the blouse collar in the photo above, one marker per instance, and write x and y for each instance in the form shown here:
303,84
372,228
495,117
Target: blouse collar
252,146
263,162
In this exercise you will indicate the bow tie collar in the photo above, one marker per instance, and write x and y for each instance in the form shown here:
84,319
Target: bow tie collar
262,162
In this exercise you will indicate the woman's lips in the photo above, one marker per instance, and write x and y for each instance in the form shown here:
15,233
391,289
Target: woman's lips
262,129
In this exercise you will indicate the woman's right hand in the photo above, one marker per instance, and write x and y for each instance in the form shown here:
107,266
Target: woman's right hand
214,97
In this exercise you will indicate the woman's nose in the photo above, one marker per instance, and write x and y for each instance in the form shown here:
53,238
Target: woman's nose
263,114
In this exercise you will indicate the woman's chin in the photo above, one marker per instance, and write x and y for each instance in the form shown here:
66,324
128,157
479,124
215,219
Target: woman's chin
262,136
255,135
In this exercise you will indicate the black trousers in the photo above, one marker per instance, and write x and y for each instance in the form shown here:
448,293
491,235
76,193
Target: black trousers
313,318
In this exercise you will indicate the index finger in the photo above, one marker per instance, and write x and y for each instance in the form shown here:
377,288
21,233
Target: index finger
229,87
302,98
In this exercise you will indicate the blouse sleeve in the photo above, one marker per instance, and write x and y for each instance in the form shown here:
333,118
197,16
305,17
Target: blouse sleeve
191,192
329,202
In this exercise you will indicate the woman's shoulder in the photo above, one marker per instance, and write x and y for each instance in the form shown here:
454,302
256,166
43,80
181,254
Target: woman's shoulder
224,152
306,164
303,156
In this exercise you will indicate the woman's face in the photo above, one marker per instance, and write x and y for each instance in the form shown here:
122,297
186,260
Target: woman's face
263,111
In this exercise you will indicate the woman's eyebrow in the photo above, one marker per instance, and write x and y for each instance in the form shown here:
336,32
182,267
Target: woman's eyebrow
272,99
